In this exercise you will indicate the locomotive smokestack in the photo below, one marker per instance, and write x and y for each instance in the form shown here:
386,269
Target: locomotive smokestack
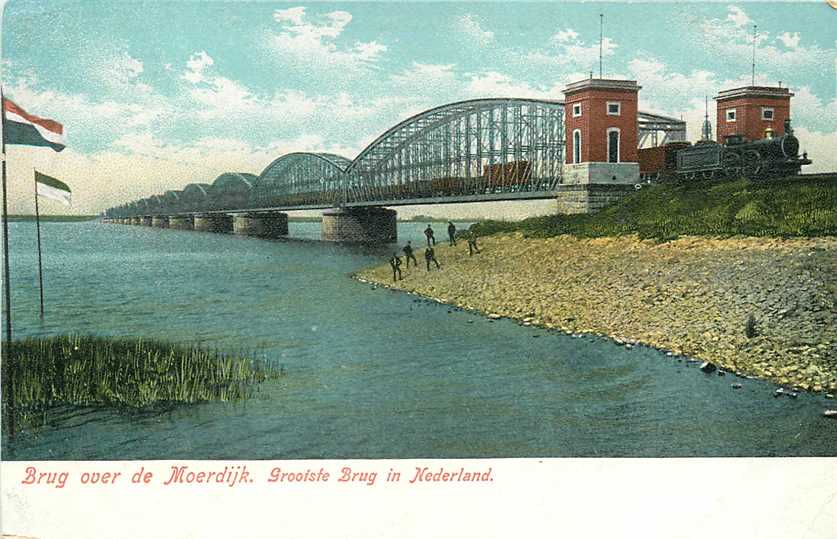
788,128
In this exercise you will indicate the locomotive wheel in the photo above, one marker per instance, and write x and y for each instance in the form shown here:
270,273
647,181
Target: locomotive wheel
751,166
731,164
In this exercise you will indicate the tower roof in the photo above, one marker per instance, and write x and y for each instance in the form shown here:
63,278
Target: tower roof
602,84
754,91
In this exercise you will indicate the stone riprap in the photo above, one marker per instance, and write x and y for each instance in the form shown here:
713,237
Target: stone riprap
692,296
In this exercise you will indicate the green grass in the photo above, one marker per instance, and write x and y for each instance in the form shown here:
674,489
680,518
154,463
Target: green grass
123,373
783,208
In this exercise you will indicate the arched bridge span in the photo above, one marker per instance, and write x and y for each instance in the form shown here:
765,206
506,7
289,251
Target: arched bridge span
474,150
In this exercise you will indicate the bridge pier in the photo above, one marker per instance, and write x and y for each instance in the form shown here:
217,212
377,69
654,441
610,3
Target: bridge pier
182,222
160,221
355,225
263,225
589,187
146,220
214,222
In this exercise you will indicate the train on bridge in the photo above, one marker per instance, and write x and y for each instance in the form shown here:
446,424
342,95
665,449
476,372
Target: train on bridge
590,149
762,159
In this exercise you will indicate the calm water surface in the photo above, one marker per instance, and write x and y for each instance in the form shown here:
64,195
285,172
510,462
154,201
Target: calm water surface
369,372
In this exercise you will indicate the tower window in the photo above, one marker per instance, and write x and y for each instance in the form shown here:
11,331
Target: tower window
576,110
613,145
767,113
730,115
577,146
614,108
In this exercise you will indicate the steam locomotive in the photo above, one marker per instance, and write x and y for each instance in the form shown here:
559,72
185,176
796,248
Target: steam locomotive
770,157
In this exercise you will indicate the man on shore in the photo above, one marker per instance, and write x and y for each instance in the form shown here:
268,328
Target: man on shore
452,233
428,233
429,256
408,254
472,244
395,264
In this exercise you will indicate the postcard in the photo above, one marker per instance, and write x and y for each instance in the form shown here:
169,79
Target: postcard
419,269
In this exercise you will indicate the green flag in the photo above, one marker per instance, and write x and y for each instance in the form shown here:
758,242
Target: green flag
49,187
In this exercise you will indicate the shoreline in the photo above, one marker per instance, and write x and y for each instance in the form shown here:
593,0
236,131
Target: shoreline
689,297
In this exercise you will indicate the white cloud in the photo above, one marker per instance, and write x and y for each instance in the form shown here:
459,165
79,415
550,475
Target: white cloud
820,148
430,80
494,84
196,65
472,29
564,36
790,41
568,50
125,68
311,42
81,114
738,17
732,38
808,110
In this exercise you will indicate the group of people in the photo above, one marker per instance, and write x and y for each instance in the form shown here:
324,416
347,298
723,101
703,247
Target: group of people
429,252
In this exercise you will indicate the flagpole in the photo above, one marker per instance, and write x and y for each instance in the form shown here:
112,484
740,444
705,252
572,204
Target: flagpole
38,225
10,371
7,294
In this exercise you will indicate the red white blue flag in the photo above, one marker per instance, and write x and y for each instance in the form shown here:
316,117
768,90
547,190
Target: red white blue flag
20,127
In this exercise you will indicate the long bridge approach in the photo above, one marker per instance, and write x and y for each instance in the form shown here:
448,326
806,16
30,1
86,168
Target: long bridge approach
470,151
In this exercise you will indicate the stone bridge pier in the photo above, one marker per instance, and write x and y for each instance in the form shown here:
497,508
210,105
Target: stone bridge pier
147,220
263,225
160,221
182,222
214,222
356,225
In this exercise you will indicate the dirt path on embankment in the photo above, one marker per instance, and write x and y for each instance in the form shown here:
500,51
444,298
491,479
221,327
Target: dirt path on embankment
691,296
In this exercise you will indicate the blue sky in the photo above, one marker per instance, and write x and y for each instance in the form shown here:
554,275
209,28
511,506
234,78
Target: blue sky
155,95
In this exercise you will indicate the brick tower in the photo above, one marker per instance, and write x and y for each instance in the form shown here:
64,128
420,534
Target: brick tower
601,124
751,110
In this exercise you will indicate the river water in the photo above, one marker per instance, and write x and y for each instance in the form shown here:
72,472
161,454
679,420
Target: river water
370,373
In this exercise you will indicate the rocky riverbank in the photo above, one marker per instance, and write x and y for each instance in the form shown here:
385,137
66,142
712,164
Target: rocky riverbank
691,296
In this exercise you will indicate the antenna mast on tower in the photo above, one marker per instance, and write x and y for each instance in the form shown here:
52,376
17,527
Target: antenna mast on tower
601,34
755,27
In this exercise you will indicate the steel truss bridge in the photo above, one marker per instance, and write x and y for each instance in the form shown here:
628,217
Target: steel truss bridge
469,151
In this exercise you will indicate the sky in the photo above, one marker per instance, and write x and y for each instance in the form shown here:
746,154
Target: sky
156,95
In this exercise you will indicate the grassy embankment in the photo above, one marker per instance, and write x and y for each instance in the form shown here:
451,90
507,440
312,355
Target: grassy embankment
782,208
120,373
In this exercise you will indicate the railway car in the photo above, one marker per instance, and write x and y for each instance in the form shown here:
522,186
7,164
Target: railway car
513,174
659,161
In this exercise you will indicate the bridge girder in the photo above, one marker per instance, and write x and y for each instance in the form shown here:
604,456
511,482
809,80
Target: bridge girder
295,174
460,145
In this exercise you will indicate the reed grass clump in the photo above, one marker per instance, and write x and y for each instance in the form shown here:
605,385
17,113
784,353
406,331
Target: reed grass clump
39,374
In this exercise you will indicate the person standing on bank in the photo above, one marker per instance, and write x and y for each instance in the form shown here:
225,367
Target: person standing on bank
452,233
408,254
428,233
472,244
395,263
430,256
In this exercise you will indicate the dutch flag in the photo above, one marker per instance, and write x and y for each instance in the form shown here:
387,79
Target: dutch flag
20,127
